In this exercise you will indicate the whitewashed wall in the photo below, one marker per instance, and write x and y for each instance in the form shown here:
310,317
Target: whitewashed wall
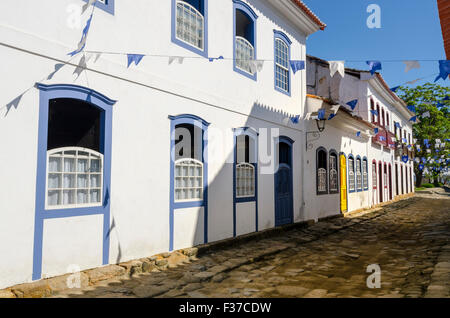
141,129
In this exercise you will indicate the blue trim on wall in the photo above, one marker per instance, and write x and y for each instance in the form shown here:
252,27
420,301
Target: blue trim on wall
245,8
253,135
367,171
202,124
283,37
356,170
185,45
348,173
108,6
48,92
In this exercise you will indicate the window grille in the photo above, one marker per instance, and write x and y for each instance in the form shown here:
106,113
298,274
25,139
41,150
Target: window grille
190,25
188,180
244,54
245,180
351,174
281,65
333,174
74,178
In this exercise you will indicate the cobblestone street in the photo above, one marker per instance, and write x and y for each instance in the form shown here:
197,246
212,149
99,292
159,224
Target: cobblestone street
409,240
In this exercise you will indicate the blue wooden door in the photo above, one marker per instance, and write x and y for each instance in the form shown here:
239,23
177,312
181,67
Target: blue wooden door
283,195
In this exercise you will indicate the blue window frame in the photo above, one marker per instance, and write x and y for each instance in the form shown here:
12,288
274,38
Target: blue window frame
282,56
365,174
105,5
244,38
184,12
321,171
200,156
351,174
333,173
245,160
358,174
49,93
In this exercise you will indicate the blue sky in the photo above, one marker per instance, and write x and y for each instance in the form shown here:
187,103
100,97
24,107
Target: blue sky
410,30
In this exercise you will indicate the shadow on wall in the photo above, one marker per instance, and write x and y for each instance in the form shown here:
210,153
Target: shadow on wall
241,177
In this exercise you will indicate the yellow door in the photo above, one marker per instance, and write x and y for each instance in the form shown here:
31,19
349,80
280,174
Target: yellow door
343,173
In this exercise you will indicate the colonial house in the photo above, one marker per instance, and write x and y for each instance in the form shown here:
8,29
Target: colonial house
104,161
360,157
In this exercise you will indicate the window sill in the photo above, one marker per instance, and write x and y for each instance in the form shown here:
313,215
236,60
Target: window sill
245,199
287,93
244,73
190,47
188,204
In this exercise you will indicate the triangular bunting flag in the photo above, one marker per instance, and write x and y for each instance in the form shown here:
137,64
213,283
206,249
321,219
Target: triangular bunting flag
297,65
134,58
374,66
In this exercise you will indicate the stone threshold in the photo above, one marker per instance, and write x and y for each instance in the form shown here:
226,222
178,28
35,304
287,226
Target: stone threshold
160,262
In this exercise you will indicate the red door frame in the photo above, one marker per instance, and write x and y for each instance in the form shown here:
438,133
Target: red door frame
374,184
390,182
380,177
401,173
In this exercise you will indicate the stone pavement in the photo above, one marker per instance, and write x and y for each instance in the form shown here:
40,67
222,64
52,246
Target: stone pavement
409,240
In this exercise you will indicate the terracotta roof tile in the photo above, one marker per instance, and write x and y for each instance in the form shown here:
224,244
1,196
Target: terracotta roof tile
308,11
444,14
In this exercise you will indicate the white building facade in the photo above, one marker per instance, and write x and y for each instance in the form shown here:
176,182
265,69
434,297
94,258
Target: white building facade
363,157
103,163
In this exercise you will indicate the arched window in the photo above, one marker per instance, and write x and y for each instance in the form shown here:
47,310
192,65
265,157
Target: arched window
282,57
74,161
383,118
387,122
189,26
244,38
188,162
364,173
379,115
374,174
246,161
188,143
321,168
372,107
334,187
351,173
358,174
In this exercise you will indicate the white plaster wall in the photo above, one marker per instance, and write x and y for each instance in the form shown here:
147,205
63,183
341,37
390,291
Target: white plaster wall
65,250
188,227
245,218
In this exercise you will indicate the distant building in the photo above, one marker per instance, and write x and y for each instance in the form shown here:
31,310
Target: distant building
356,161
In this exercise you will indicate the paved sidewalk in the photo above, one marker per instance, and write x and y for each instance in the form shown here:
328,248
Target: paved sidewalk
408,239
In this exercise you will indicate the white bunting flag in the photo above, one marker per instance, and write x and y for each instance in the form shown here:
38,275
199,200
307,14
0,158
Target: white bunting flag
410,65
426,114
337,66
428,150
81,66
335,108
256,66
394,139
438,141
179,59
87,5
442,144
